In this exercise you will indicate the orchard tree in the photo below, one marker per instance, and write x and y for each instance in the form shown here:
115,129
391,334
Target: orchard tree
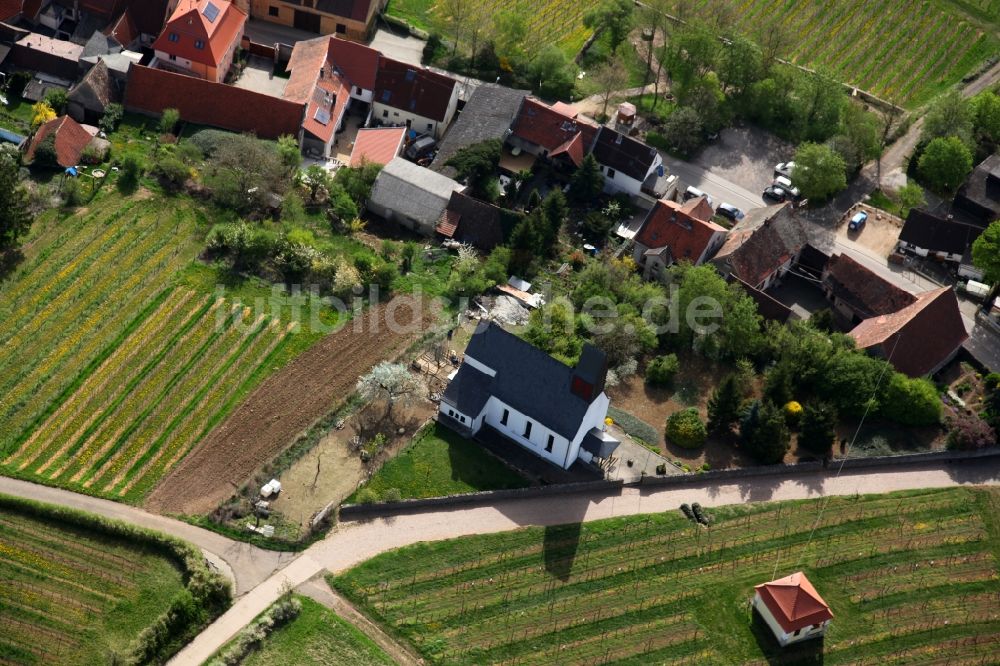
610,77
986,253
945,163
389,382
614,16
819,171
15,216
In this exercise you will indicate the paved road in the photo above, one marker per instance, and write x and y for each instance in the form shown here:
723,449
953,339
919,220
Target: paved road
356,542
246,564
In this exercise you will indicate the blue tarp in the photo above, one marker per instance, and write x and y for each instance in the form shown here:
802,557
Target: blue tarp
71,171
11,137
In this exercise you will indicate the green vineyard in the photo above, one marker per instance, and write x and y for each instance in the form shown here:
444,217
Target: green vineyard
73,597
111,373
909,576
899,50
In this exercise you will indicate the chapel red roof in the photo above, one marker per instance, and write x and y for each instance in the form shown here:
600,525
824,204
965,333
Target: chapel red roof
794,602
919,337
377,145
215,24
686,229
551,127
70,140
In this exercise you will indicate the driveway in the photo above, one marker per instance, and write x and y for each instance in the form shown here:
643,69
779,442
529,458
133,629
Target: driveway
719,188
745,156
880,233
401,47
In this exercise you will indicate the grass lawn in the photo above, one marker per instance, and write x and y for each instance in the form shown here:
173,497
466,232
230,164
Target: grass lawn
317,637
440,462
70,596
909,576
17,115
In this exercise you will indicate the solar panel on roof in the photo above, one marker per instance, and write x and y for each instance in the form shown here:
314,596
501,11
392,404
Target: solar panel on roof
322,116
211,12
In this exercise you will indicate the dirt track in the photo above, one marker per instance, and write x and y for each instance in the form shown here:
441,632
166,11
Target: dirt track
284,405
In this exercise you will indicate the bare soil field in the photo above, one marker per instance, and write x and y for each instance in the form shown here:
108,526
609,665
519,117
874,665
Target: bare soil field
331,471
287,403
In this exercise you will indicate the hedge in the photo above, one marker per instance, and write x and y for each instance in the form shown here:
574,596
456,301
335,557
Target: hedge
634,426
205,596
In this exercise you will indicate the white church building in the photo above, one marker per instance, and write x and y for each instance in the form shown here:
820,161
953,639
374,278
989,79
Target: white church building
555,411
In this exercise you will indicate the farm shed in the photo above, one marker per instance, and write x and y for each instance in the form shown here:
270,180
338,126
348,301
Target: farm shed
411,195
792,608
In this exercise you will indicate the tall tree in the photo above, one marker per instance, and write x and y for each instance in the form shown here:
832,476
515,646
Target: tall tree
763,433
616,17
478,166
819,428
986,253
15,216
741,65
724,405
819,171
611,77
945,163
587,183
949,115
551,73
986,117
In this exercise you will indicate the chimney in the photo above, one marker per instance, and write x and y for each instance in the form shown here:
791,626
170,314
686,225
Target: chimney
590,373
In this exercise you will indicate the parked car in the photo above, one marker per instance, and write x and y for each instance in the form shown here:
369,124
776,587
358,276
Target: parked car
730,211
784,169
786,185
858,221
694,192
775,194
420,147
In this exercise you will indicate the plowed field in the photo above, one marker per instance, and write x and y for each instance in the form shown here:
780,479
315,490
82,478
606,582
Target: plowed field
284,405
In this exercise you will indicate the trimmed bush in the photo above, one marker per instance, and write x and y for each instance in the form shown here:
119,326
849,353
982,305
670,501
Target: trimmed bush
911,402
662,370
686,429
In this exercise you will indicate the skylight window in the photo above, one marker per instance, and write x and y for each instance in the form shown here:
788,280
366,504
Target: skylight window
211,12
173,37
322,116
386,94
199,44
410,75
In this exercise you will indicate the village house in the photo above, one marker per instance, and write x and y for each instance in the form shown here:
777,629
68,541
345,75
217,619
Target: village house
554,133
487,114
627,164
674,232
377,145
979,197
353,19
551,409
69,140
950,240
857,293
411,195
762,247
422,100
474,222
792,609
919,339
201,39
90,97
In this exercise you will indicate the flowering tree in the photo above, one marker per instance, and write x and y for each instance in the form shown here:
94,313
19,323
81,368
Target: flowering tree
390,382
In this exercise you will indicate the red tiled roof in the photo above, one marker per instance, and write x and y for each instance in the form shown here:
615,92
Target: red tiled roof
307,59
71,139
448,224
190,23
208,103
413,89
863,290
124,29
684,229
919,337
794,602
573,148
326,107
545,126
377,145
352,9
355,61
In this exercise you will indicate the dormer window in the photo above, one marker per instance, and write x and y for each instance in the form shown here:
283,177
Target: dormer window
173,37
199,44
